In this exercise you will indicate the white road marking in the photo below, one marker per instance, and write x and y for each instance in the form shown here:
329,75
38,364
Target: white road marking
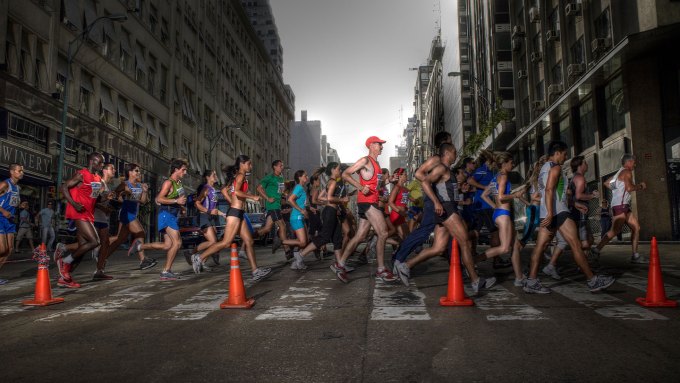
394,302
301,302
504,305
115,301
640,283
604,304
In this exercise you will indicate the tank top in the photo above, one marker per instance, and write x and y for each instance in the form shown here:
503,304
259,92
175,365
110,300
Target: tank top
373,196
210,200
402,196
447,191
619,194
340,189
86,194
130,203
560,202
11,199
100,215
244,186
494,188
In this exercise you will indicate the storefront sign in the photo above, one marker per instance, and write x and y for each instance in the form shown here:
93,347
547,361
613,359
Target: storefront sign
33,162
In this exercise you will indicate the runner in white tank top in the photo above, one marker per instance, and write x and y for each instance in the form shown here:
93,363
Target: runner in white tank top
621,186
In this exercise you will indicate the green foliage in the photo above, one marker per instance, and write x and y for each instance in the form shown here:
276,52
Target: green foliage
474,143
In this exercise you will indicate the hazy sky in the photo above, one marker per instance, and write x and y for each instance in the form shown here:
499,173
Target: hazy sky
348,63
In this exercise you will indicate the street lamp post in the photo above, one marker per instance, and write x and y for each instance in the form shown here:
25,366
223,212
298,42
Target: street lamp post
489,104
64,113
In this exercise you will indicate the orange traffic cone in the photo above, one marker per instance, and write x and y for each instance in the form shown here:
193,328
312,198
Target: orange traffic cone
43,291
455,295
237,292
656,293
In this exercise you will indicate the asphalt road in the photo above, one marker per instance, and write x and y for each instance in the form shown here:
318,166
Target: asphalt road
307,326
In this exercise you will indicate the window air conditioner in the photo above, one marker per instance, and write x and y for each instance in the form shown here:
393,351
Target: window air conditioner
534,15
536,57
554,89
552,35
521,74
575,69
572,9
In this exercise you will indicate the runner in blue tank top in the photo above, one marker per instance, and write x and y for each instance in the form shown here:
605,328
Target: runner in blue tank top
131,193
9,201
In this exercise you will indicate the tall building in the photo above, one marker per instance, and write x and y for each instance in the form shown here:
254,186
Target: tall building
305,145
603,76
264,24
176,79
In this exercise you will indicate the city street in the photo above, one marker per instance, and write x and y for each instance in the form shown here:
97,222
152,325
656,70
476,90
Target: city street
307,326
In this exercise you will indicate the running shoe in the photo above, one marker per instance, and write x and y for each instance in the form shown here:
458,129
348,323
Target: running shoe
600,282
169,276
187,255
205,267
242,254
385,275
298,263
216,258
534,286
639,259
3,281
261,273
65,271
100,276
349,268
340,272
196,263
551,271
595,251
147,263
502,263
482,283
276,243
402,271
520,282
289,254
67,283
135,247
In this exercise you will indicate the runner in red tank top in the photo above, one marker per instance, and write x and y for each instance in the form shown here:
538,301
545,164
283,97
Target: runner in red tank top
367,205
81,192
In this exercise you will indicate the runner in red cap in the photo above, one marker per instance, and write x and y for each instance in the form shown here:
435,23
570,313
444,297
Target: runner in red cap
367,205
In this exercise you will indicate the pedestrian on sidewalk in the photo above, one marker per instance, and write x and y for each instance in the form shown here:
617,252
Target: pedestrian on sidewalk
25,227
45,218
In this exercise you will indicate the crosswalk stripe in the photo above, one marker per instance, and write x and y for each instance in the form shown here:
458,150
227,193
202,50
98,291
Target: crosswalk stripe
301,301
604,304
640,283
115,301
504,305
394,302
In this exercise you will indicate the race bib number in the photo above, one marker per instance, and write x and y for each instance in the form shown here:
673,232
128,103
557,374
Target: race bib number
457,195
404,198
379,178
180,191
282,187
96,189
136,194
14,200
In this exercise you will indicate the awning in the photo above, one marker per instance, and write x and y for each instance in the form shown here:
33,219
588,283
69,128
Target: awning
95,33
137,117
86,83
140,64
107,103
162,135
151,128
122,109
72,13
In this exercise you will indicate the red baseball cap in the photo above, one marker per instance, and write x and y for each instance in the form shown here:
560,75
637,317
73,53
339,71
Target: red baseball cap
373,139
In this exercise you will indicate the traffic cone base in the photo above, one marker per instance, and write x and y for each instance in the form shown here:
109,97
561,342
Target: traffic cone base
248,303
656,293
43,290
455,295
665,303
237,292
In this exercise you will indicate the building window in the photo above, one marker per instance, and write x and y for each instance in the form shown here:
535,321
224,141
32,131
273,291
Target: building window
566,135
614,106
586,125
27,133
86,91
577,56
602,25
